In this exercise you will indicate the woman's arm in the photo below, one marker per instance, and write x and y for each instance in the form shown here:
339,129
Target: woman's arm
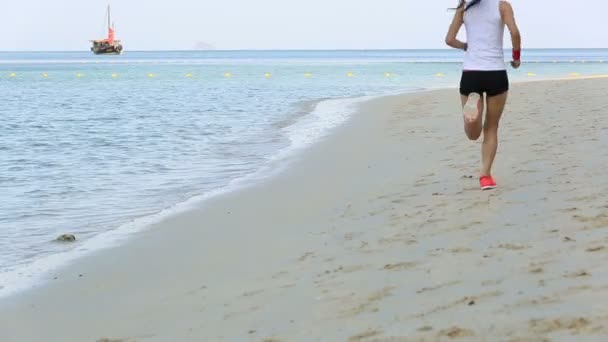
450,38
508,17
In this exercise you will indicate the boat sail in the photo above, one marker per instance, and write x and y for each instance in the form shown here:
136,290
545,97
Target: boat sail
109,45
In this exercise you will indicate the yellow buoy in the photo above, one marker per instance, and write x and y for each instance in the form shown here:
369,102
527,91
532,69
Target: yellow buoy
45,75
574,74
227,74
188,75
13,74
439,74
151,75
79,75
268,75
531,74
114,75
350,74
387,74
308,74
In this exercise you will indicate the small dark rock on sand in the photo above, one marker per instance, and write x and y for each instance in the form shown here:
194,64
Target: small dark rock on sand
66,238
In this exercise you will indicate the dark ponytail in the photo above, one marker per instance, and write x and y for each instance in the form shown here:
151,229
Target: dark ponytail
469,5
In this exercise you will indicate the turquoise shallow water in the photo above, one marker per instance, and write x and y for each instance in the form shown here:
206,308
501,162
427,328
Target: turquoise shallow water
101,146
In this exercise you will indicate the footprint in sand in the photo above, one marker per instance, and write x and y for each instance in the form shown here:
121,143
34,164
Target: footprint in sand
433,221
578,274
456,332
128,339
391,239
463,301
598,221
460,250
583,198
545,326
544,300
252,293
493,282
595,249
343,269
425,328
428,289
370,301
537,270
400,266
364,335
467,225
306,256
513,247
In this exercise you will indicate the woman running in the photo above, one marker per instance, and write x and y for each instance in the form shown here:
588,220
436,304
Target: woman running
484,71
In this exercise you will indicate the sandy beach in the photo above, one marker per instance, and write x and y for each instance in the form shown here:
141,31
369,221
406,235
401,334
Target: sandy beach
378,233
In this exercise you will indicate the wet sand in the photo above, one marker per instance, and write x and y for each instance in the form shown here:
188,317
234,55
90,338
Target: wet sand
378,233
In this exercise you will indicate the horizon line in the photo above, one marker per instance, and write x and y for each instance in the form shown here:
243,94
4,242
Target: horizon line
305,50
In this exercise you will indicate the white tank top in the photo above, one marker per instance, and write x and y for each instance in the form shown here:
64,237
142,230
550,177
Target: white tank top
485,31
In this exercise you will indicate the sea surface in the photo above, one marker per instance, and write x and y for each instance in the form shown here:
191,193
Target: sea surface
102,146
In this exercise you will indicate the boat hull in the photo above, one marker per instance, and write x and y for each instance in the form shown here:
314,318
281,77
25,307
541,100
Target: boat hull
107,50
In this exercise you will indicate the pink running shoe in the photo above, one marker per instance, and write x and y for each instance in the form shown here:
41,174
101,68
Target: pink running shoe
487,183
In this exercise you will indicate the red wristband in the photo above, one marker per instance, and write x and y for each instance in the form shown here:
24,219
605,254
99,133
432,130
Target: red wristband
516,55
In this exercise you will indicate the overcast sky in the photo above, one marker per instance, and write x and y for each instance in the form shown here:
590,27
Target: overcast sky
282,24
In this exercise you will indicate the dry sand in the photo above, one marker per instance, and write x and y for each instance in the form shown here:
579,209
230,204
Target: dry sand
376,234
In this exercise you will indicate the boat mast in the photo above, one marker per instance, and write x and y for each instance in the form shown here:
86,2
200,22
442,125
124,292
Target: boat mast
110,28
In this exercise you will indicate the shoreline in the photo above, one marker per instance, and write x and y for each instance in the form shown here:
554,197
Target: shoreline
37,273
372,188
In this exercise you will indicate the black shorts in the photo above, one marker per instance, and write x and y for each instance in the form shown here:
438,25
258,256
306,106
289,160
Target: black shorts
490,82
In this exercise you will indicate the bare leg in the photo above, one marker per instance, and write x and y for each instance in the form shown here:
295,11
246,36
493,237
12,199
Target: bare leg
473,124
496,105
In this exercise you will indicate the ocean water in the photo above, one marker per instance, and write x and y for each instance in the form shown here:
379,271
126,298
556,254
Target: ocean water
101,146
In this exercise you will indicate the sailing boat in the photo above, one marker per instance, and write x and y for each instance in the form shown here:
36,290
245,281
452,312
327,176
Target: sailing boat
107,46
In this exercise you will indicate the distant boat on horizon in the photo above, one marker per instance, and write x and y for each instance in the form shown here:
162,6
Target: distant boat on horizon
109,45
